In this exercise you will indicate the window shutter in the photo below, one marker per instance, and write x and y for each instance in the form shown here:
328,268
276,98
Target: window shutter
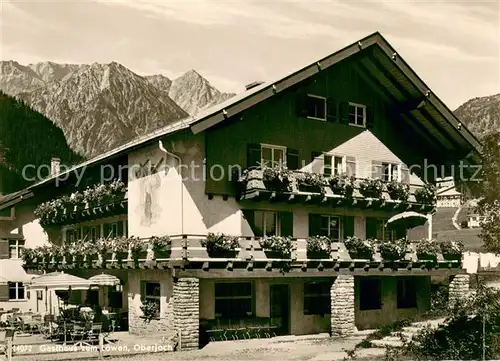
350,166
332,110
376,170
4,292
317,160
119,230
369,117
327,166
314,224
248,215
253,155
107,230
348,226
286,224
371,227
301,104
344,112
4,249
405,174
292,159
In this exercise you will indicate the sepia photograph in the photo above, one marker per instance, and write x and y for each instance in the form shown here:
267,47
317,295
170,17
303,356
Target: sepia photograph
249,180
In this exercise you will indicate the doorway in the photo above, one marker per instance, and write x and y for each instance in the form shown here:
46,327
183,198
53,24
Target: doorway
280,308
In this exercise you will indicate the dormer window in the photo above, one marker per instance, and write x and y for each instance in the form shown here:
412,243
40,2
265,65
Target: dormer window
316,107
391,172
357,115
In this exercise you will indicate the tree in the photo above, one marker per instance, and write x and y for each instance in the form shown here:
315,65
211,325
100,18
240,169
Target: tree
489,192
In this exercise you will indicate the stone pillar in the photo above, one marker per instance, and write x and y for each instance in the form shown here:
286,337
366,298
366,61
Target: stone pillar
187,312
342,302
458,289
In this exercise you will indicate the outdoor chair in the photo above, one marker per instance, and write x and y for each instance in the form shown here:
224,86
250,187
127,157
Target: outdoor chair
78,334
95,331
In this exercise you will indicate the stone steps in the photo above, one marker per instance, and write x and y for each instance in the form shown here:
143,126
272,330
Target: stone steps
394,340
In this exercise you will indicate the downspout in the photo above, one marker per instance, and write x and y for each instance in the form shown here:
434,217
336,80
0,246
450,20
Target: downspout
162,148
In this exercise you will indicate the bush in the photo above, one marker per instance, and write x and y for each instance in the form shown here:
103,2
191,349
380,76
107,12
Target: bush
461,337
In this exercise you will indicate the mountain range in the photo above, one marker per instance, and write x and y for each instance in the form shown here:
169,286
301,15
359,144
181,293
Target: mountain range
101,106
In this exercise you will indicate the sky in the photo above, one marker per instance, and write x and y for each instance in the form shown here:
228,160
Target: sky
453,46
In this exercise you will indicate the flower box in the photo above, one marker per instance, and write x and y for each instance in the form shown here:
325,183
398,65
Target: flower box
272,254
163,253
220,245
342,185
318,247
311,182
371,188
161,247
223,254
452,250
120,256
398,191
358,248
427,250
426,194
392,250
318,254
277,178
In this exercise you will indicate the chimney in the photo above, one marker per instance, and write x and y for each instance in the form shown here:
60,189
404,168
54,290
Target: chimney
55,166
253,85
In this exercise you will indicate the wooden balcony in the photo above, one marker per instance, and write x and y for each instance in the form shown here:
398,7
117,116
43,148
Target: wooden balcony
254,188
186,254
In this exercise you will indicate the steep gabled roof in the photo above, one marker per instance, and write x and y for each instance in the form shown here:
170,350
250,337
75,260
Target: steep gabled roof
380,65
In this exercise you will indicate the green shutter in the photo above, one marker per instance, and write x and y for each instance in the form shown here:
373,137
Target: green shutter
301,103
253,155
348,226
369,117
371,227
344,112
332,110
119,230
106,230
286,224
4,249
4,292
314,224
292,159
248,215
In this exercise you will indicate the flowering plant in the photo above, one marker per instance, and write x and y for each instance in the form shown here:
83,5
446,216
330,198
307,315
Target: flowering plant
220,242
359,248
371,188
150,310
319,244
119,244
452,249
279,244
159,243
277,177
426,194
398,190
427,249
342,184
393,250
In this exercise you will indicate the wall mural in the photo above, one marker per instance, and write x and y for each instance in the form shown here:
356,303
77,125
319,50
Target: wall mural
150,183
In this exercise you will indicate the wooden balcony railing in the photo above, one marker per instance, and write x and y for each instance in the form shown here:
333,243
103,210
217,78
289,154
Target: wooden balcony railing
187,250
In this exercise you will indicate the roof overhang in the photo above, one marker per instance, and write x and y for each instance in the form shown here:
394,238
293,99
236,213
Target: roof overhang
385,70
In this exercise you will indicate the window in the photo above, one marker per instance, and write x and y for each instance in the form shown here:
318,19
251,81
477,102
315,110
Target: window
150,292
376,228
390,172
370,295
233,300
317,298
334,165
16,248
273,155
266,224
330,227
357,114
407,293
16,291
316,107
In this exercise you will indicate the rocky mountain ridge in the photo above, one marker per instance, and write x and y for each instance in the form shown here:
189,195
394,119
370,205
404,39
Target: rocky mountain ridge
101,106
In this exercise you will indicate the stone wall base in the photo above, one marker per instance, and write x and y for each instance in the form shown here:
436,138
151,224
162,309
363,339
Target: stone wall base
342,303
458,289
187,312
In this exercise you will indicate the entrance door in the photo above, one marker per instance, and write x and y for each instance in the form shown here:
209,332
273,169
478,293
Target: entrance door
280,308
